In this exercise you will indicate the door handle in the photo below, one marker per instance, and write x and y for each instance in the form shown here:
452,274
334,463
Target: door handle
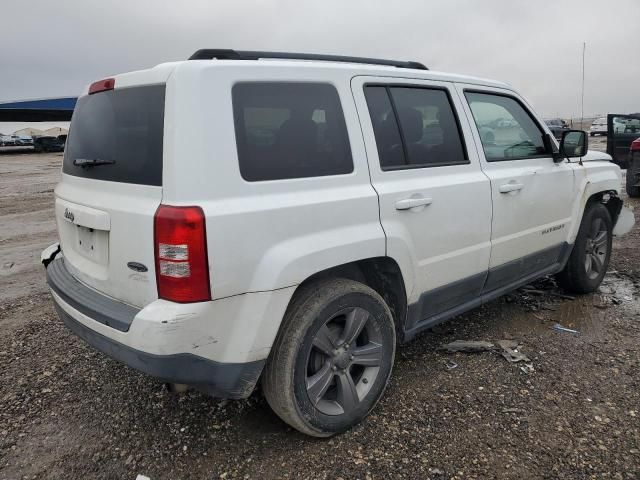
511,187
408,203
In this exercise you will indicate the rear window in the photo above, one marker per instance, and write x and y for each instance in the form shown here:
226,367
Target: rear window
123,130
290,130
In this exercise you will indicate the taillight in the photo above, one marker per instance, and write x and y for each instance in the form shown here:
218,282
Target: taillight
102,85
182,267
635,145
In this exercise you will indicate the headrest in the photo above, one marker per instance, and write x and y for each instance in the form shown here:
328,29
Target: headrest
411,120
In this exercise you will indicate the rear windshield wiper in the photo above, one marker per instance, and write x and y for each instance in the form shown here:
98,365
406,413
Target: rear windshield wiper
92,162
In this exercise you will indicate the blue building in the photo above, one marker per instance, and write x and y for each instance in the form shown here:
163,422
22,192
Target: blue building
43,110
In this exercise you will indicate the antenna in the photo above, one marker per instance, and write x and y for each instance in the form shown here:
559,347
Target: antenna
584,48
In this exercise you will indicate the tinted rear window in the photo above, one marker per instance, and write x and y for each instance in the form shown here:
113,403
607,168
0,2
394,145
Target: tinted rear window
290,130
124,126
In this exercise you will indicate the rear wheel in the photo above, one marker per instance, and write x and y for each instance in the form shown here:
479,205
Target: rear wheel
633,177
589,259
332,359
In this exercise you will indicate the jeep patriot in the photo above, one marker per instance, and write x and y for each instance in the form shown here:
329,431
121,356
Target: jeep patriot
288,219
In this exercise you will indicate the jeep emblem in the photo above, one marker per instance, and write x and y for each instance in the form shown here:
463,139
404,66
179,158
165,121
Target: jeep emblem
68,215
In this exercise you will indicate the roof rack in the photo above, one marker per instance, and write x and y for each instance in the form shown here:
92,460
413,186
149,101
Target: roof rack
225,54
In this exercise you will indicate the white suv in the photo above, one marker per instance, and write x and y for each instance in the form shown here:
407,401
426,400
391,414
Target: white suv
248,216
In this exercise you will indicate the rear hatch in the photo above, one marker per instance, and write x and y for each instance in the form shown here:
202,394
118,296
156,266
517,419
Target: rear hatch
110,190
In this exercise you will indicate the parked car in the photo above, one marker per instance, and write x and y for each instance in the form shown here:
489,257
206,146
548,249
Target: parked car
9,140
24,141
47,144
598,127
557,127
318,228
633,170
622,130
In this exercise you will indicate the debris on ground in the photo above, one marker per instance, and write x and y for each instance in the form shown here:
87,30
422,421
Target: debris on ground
450,364
527,368
547,292
472,346
561,328
509,350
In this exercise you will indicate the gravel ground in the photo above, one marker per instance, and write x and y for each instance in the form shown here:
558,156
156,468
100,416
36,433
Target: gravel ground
69,411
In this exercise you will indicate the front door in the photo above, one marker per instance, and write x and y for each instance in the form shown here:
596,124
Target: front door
435,202
532,195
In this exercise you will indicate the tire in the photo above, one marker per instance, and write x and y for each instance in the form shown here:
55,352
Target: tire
591,252
312,349
633,178
592,134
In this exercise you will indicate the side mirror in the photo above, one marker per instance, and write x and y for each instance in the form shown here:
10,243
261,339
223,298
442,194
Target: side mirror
574,143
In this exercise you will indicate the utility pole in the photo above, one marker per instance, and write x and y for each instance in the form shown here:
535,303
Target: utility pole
584,48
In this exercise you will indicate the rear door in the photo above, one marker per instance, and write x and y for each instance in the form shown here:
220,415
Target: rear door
435,202
532,195
621,131
111,187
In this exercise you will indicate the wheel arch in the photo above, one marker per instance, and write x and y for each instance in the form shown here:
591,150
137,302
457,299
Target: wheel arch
602,185
610,199
382,274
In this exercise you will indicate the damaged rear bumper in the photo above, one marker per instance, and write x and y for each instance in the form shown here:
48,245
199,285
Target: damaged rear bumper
224,380
108,325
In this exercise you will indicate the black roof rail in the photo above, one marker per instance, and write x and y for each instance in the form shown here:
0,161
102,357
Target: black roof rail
226,54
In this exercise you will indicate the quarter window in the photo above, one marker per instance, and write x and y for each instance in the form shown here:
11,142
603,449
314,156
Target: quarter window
290,130
414,127
507,130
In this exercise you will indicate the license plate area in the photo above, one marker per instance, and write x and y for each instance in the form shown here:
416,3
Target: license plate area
92,244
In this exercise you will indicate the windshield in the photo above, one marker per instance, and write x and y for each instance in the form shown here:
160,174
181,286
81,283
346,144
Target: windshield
117,136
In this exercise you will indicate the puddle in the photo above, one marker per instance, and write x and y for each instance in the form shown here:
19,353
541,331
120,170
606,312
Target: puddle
586,313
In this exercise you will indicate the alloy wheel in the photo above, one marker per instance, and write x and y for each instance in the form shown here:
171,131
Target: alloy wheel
344,361
596,248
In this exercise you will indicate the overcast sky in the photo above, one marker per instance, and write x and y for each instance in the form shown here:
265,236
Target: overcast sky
55,48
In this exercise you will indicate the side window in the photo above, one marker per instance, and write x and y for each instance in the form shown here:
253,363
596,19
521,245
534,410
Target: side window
290,130
385,128
507,130
414,127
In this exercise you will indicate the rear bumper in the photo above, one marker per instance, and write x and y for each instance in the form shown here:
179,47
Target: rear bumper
219,347
224,380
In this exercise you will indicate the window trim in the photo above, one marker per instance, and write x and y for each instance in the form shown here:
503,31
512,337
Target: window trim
526,110
242,132
387,86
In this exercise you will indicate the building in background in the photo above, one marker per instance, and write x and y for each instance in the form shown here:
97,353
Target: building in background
56,131
29,132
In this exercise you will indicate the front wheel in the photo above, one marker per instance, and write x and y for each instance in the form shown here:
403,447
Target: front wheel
589,259
332,358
